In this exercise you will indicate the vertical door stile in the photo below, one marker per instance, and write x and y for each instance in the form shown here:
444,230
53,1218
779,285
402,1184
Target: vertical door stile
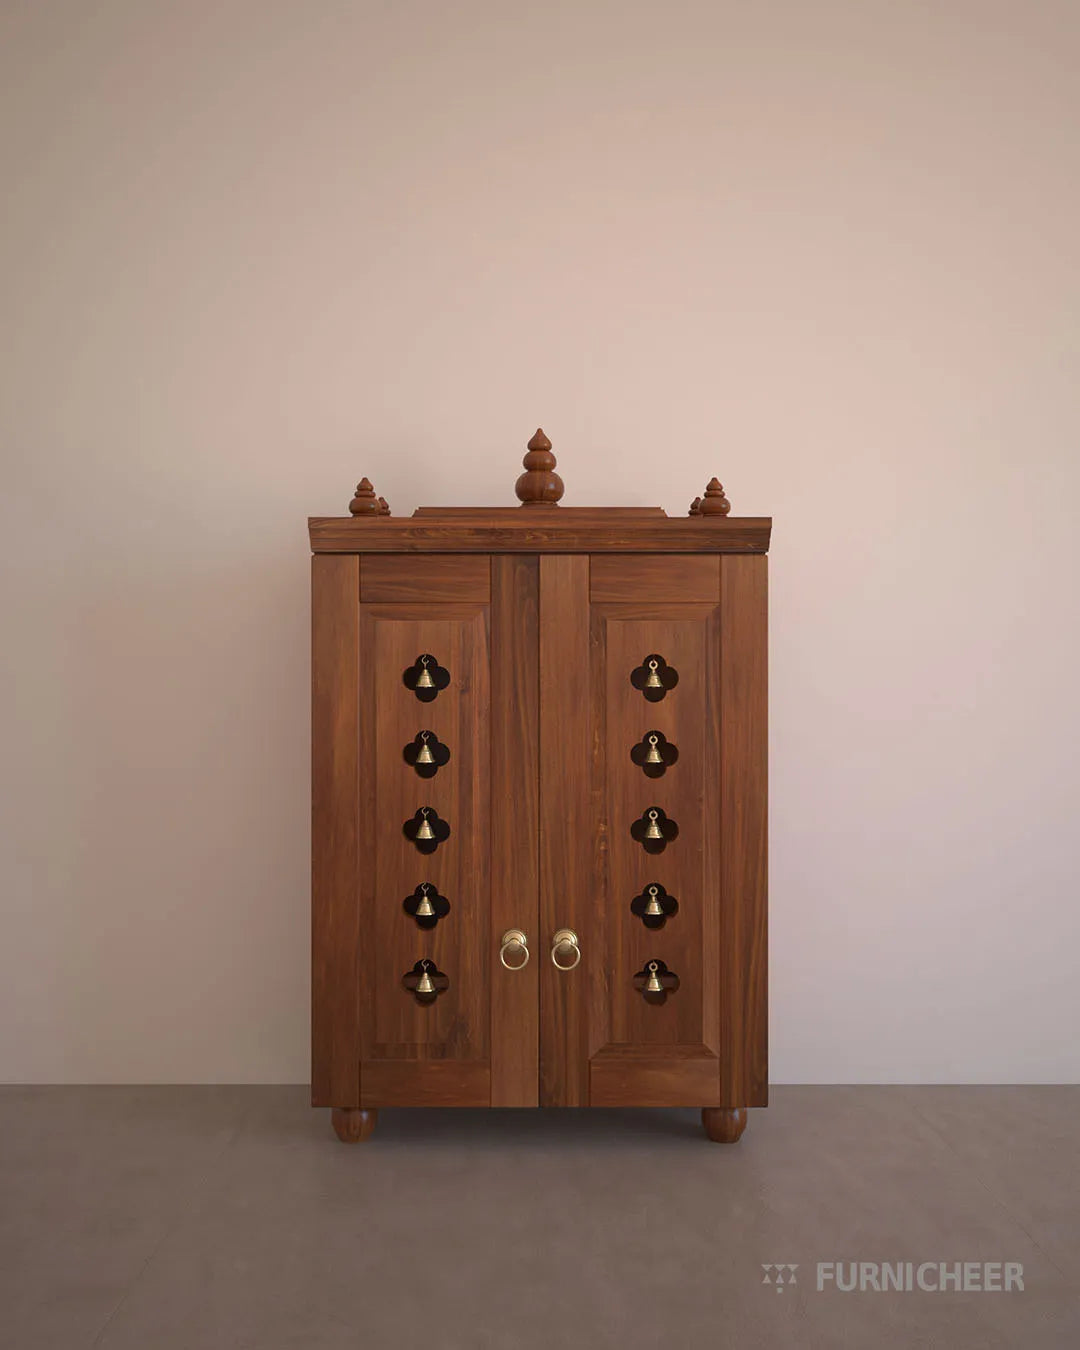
566,827
515,826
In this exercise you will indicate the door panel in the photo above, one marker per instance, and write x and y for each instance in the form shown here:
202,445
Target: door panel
602,1041
469,1046
687,719
455,1025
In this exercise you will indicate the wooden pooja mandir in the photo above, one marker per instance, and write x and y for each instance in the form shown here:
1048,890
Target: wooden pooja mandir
539,806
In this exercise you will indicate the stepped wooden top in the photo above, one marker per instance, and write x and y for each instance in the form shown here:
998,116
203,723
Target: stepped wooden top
540,524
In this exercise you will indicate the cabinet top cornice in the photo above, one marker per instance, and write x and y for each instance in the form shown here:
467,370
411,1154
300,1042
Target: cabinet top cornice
539,524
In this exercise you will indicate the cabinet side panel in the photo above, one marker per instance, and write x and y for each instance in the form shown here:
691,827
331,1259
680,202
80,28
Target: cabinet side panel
335,831
515,825
567,858
744,1072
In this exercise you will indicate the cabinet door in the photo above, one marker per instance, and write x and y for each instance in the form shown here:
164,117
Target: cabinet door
653,745
426,723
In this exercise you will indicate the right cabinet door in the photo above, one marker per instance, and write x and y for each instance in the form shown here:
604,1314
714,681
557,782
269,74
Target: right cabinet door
653,830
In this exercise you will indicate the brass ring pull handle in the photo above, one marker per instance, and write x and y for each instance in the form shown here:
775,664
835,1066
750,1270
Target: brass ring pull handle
514,944
565,944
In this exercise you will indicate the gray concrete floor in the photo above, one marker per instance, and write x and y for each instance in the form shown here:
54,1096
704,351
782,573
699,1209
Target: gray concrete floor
163,1218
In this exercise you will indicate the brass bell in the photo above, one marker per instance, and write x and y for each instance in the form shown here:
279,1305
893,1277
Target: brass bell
652,984
425,831
425,984
425,909
654,909
654,681
424,680
654,756
653,832
424,755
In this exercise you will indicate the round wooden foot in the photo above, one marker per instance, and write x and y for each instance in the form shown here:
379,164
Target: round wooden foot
724,1124
352,1124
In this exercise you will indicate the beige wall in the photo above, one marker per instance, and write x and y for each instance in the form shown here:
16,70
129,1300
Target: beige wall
826,249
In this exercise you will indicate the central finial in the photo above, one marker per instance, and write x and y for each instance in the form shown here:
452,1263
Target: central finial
539,485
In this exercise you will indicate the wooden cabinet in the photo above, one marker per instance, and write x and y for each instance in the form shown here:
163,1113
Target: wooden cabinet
539,807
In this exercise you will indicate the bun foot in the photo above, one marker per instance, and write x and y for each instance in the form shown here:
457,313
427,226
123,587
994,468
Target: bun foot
724,1124
353,1124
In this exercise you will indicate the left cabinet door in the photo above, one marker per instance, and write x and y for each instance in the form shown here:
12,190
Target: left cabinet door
425,818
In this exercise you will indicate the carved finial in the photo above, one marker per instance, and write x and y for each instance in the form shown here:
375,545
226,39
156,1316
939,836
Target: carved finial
539,485
695,507
365,503
714,503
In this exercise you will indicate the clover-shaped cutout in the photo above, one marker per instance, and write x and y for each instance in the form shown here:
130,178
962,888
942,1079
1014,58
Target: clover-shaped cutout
426,678
654,677
426,754
653,830
654,906
425,981
426,905
426,830
654,754
654,981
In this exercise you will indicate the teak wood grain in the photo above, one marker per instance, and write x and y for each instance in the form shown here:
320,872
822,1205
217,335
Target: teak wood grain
540,614
540,531
458,578
456,1025
515,826
566,830
743,841
339,833
663,1081
645,577
442,1082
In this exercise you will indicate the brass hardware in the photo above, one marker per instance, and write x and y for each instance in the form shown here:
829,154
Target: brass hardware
565,942
425,982
513,943
654,830
654,906
654,677
654,982
426,678
654,756
424,755
426,832
426,905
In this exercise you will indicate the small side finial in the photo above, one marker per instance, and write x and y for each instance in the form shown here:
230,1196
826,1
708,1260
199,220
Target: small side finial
539,485
714,503
365,503
695,507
